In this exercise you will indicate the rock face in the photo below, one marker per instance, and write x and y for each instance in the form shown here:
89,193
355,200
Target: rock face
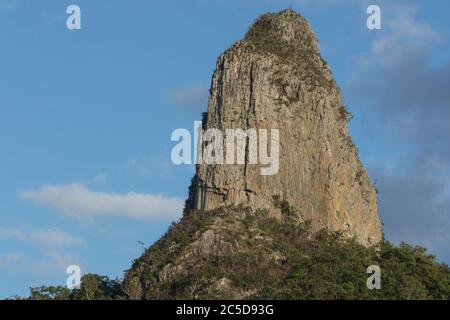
275,78
235,240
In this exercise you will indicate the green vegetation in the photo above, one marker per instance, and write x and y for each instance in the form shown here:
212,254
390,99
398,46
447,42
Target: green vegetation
332,268
344,114
286,209
267,36
271,258
92,287
258,255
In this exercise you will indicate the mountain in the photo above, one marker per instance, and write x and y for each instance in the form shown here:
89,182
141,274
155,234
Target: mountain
238,253
303,228
275,78
237,219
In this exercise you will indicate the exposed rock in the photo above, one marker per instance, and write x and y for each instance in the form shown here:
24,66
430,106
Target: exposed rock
235,238
216,251
276,79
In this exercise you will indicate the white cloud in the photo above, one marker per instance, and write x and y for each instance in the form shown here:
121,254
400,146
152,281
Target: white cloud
194,96
8,4
49,255
151,166
403,90
100,178
40,269
11,260
48,238
51,263
55,238
405,35
78,201
398,76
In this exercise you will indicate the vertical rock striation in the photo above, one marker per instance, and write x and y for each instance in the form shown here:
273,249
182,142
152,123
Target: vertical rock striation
275,78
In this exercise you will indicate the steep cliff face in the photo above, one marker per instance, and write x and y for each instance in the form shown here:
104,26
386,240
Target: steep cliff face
242,231
276,79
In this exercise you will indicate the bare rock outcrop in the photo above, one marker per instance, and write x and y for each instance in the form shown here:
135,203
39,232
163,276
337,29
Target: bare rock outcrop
275,78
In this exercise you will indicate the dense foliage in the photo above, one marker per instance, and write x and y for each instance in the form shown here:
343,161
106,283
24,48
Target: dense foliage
268,258
92,287
275,258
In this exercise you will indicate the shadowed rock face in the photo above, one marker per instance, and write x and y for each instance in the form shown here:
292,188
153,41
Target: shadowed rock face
275,78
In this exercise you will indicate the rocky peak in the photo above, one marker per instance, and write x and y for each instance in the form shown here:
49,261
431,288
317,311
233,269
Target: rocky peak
285,33
275,78
235,217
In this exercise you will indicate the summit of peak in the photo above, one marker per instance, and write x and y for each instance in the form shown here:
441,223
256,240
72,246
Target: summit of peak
286,27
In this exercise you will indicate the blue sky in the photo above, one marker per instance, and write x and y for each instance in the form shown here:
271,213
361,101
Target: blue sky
86,117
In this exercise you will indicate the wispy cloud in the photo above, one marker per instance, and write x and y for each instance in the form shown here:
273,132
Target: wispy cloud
194,96
8,4
100,178
45,252
50,263
55,238
398,83
41,269
76,200
11,260
157,166
48,238
406,35
404,87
